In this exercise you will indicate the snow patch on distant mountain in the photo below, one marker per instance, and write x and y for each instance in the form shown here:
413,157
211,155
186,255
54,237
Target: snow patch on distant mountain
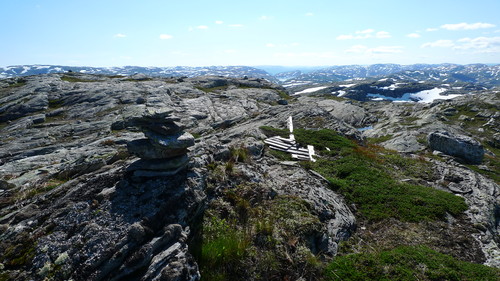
310,90
347,85
426,96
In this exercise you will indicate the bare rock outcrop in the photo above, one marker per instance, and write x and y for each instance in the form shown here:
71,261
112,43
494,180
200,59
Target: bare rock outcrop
460,146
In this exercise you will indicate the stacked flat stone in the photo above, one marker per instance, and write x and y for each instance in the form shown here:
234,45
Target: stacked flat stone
164,150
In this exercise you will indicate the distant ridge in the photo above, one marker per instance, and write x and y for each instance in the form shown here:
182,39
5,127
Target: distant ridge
482,74
175,71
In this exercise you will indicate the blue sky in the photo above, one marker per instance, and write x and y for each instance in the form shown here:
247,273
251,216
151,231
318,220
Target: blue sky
202,33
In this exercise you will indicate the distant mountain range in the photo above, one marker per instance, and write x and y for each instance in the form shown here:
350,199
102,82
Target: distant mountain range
481,74
176,71
484,75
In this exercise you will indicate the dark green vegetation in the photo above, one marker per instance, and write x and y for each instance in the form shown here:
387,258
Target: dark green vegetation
73,79
17,83
367,177
18,253
217,89
407,263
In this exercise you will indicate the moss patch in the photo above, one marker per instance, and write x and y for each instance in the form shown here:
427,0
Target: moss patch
73,79
407,263
380,139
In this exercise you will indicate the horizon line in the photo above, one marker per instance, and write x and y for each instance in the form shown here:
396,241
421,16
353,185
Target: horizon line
255,66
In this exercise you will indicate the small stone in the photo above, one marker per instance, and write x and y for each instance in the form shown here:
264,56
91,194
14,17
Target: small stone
464,118
137,232
162,128
140,100
459,188
495,140
484,168
177,141
158,113
37,119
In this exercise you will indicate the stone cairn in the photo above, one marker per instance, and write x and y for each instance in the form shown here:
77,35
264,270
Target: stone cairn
164,150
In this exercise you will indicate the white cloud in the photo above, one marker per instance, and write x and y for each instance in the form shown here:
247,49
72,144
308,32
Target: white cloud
202,27
413,35
467,26
236,25
120,35
345,37
219,22
382,34
469,45
366,31
230,51
365,34
165,36
431,29
309,14
264,17
270,45
438,44
479,44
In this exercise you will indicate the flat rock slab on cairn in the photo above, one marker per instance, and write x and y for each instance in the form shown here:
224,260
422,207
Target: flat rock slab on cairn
145,149
164,150
460,146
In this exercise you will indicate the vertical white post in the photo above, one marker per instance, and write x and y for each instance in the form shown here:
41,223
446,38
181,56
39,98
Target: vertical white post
310,148
290,127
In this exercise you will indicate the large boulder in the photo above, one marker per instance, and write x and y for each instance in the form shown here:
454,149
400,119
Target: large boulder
459,146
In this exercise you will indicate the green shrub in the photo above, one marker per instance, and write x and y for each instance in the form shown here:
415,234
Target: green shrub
18,83
323,139
380,139
217,89
378,196
271,132
407,263
365,175
239,154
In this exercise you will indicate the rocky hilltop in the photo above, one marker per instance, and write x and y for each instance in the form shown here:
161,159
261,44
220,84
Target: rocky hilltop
141,178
